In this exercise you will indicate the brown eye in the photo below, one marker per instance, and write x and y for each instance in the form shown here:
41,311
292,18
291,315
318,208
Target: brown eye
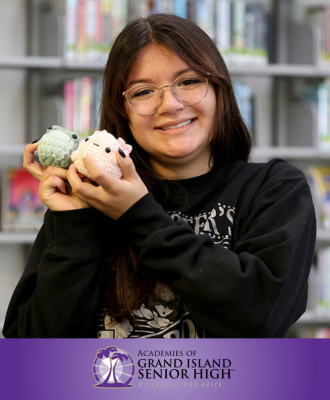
107,149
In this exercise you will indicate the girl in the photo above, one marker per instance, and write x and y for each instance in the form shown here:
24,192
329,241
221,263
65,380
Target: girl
193,241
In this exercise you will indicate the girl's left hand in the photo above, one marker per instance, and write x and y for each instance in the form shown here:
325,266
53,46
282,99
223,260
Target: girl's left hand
113,197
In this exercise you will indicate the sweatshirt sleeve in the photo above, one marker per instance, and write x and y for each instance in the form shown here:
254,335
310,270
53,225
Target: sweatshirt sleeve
256,289
58,295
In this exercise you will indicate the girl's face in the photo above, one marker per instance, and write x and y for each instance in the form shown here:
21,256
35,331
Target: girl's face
179,152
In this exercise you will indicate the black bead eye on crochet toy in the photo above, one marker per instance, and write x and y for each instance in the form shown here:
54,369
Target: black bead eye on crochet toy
74,136
86,140
107,149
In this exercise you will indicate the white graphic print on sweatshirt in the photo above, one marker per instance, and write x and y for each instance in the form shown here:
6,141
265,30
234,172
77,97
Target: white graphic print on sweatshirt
163,314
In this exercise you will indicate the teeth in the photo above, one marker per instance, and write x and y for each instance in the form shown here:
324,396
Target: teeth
177,126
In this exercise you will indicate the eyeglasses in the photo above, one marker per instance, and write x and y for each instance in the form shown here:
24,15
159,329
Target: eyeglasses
146,99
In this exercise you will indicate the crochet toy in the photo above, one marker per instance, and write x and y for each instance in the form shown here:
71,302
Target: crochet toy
56,146
103,146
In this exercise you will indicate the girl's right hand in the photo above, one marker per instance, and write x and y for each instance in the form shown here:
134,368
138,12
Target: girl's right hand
54,190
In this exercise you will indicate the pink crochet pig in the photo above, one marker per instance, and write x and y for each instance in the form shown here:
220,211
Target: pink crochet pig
103,146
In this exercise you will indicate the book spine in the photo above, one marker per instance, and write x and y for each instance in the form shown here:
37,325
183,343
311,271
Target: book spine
96,103
157,6
327,34
99,28
81,30
261,30
107,22
223,26
71,29
76,105
205,16
245,99
90,27
168,6
68,105
180,8
250,28
323,137
115,18
143,8
85,105
124,14
239,25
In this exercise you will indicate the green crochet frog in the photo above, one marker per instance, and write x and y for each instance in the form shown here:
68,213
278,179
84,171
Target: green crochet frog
56,146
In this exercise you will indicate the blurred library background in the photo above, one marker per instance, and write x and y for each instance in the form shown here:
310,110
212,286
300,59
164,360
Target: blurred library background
52,55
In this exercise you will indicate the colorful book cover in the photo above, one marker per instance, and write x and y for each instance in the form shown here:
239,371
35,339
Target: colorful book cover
319,179
22,210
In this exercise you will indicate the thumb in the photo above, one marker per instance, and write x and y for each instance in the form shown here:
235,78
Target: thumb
126,164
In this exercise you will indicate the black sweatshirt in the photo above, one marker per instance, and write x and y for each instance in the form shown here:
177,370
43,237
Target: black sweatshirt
233,247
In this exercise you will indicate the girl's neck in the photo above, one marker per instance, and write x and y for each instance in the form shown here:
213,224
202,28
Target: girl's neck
176,171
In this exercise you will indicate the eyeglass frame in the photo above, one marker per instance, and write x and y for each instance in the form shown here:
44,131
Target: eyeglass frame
161,95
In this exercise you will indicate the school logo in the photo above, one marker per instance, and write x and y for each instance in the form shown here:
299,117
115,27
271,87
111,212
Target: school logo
113,368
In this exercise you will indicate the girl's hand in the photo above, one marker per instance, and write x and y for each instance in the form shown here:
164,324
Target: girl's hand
29,162
54,191
113,197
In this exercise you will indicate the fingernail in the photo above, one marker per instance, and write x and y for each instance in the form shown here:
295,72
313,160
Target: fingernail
83,155
121,152
35,141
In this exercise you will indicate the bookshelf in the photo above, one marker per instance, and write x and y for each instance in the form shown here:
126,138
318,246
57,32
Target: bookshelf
35,63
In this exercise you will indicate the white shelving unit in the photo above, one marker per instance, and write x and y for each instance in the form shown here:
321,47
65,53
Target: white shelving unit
27,64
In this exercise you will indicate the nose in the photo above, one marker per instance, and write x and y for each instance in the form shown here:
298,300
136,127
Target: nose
170,104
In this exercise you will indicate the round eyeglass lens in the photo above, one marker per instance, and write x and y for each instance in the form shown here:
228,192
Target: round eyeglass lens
144,99
190,89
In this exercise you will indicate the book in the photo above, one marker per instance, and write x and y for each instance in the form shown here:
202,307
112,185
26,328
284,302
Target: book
238,26
323,283
205,16
317,96
86,105
223,26
180,8
326,49
319,180
71,32
82,97
245,99
323,136
22,210
68,104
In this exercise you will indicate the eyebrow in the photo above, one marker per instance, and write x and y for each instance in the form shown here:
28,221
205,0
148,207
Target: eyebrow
147,80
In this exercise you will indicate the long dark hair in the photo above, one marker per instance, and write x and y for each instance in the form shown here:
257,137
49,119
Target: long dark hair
230,141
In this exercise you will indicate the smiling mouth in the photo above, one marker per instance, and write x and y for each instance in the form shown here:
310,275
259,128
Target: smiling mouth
165,128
